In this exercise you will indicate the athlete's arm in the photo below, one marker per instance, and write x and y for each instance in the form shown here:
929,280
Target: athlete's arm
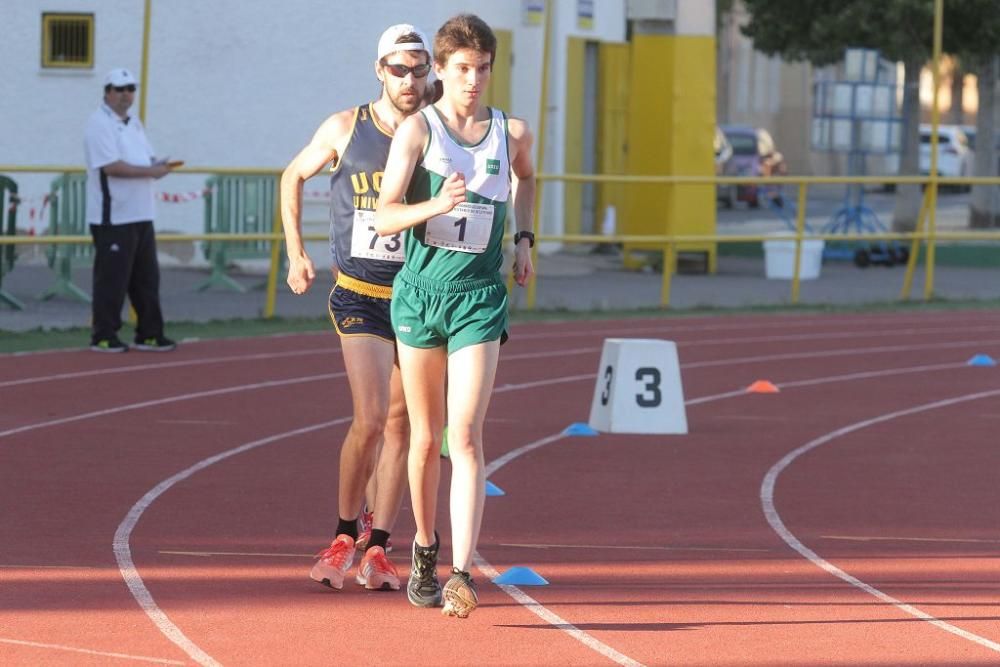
320,151
523,192
391,214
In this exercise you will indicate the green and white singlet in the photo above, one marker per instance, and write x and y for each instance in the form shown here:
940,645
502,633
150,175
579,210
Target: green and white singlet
466,242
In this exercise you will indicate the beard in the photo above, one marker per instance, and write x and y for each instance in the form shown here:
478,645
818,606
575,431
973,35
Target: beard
406,104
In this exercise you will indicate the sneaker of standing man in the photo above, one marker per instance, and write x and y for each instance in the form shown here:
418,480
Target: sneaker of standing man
356,143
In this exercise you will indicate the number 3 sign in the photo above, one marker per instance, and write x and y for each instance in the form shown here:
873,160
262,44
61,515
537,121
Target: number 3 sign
638,388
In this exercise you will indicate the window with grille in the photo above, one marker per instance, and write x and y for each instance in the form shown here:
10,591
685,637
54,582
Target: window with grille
67,40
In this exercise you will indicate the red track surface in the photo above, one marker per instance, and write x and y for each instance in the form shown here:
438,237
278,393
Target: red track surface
667,555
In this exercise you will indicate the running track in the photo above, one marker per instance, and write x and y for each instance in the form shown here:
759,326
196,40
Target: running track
163,509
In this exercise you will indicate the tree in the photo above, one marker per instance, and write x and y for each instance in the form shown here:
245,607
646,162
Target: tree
818,31
973,26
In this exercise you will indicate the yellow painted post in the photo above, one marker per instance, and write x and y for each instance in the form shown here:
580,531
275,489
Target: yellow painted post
144,74
800,226
911,263
540,138
935,120
272,274
668,272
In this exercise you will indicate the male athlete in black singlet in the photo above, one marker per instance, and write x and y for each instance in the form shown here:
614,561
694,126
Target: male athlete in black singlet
356,141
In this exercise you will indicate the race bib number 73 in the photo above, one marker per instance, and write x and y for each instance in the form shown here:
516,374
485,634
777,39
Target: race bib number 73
365,243
466,228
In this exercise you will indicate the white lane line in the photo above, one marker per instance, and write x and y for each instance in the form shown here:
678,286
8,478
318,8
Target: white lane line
842,352
134,580
167,364
14,566
774,518
889,538
170,399
554,619
605,547
784,323
103,654
541,355
123,553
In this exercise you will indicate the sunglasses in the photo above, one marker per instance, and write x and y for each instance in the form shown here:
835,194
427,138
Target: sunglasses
121,89
400,71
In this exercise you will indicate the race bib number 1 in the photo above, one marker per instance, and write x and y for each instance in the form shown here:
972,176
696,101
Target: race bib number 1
466,228
365,243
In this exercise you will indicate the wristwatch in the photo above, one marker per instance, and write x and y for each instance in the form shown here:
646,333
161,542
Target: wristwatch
525,235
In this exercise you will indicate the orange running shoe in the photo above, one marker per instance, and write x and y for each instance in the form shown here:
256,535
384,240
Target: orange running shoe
334,562
376,572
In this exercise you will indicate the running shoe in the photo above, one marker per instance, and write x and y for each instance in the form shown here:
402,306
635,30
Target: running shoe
366,522
423,588
334,562
376,572
155,344
460,596
112,344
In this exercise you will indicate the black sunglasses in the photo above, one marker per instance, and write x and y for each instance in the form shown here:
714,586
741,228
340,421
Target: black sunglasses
121,89
400,71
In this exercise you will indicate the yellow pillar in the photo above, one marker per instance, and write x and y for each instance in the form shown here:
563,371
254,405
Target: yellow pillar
671,123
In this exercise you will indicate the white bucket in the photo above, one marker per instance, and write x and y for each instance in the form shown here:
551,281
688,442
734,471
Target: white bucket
779,259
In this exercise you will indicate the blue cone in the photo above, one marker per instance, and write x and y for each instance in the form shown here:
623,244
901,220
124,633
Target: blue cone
520,576
982,360
579,428
494,490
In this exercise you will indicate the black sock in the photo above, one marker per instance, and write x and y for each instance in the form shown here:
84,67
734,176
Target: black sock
379,538
348,527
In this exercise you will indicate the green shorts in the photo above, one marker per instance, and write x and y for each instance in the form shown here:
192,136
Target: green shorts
431,313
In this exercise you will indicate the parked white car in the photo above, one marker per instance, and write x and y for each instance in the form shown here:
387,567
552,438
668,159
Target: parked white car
955,156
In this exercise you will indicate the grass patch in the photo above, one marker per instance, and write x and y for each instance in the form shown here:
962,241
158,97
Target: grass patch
56,339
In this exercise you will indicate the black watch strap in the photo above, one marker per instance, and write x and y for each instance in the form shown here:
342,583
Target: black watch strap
525,235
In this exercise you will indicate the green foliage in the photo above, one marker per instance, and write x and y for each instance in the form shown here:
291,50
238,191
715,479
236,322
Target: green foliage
818,31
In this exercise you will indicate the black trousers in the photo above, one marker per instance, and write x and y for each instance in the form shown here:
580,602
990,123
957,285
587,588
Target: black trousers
125,263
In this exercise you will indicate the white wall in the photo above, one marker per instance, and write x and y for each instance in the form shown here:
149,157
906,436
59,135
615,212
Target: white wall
244,83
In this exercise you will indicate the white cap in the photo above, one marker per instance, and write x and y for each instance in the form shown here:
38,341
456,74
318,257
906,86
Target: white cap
119,77
387,42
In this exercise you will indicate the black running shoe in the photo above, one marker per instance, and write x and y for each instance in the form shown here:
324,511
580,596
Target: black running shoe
157,344
423,588
112,345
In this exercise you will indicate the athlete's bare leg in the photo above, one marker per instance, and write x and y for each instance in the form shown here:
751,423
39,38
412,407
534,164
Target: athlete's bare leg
471,372
390,474
423,374
369,363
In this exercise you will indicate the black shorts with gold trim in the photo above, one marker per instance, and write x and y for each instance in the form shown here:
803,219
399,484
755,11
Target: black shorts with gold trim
359,308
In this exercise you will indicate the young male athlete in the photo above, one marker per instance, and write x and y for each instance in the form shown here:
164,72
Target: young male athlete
458,164
357,142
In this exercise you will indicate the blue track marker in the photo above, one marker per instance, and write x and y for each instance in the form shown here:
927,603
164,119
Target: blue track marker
521,576
494,490
579,428
982,360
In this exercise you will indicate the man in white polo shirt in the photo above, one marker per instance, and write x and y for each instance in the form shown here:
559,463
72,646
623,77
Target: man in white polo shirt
121,168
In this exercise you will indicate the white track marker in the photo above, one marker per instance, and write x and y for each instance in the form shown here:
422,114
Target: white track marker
774,518
103,654
887,538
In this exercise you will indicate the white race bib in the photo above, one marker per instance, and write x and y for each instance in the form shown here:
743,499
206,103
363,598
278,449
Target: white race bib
466,228
366,244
